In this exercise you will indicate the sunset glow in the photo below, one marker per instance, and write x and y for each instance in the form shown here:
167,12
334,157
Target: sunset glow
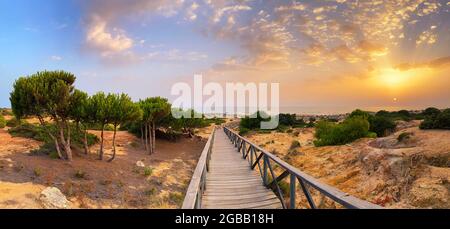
319,51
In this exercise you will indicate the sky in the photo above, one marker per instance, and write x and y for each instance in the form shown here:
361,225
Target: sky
327,55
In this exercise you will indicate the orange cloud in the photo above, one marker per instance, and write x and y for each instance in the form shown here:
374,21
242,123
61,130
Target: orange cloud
442,62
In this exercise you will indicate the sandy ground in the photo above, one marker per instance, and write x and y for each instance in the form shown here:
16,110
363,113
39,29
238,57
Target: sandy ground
411,174
119,184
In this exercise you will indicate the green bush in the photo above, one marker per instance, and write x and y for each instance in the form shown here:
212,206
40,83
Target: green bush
381,125
372,135
243,131
282,128
2,122
148,171
351,129
399,115
176,198
359,113
431,111
14,122
252,123
38,133
438,121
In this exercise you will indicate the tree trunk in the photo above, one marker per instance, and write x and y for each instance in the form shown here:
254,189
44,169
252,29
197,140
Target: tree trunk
191,133
154,137
146,137
114,144
66,144
85,141
142,134
58,149
150,139
100,155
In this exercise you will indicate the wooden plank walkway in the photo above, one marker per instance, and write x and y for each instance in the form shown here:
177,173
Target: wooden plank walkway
230,183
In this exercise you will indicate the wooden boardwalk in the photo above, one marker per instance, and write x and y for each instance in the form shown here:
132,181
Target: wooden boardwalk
230,183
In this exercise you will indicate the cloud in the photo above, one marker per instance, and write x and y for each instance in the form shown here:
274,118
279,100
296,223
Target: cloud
271,37
191,14
427,37
232,9
107,42
56,58
175,55
111,41
442,62
371,49
233,64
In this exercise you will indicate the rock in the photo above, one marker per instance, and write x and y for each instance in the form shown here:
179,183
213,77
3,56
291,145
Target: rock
398,167
52,198
371,160
140,164
429,193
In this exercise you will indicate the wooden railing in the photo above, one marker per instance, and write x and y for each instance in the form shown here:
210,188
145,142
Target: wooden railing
255,154
193,198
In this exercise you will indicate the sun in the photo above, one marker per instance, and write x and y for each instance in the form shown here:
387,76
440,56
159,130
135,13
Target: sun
394,78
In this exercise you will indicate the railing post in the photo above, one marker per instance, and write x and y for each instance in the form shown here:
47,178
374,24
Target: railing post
265,177
292,192
251,156
243,149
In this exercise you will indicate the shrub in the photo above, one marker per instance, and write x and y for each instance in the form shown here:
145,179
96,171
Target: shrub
243,131
404,113
80,174
372,135
37,172
282,128
148,171
27,130
403,136
381,125
294,145
150,192
287,119
253,122
338,134
14,122
439,121
359,113
2,122
53,154
442,120
431,111
398,115
176,198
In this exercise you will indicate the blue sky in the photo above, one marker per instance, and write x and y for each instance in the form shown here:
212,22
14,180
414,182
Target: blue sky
327,53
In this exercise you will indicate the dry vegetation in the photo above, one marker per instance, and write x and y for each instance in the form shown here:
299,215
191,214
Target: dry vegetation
408,169
90,183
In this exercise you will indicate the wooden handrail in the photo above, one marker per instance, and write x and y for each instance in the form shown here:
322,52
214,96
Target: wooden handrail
193,197
338,196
